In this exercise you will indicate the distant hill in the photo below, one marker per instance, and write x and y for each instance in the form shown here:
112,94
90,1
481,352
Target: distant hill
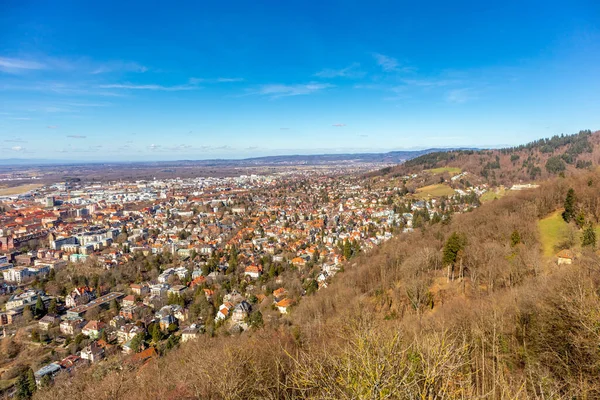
533,161
392,157
32,161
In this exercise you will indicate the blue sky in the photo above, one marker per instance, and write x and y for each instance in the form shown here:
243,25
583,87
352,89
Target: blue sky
166,81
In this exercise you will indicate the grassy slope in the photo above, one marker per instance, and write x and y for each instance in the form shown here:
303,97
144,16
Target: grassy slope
434,191
451,170
552,230
493,195
5,384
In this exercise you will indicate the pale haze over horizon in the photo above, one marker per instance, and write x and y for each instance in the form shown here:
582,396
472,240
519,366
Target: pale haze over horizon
199,80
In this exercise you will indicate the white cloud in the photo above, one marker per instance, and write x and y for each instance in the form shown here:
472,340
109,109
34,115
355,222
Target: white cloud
196,81
459,96
149,87
119,66
18,148
281,90
385,62
430,82
15,65
349,72
339,125
52,127
180,147
76,136
225,80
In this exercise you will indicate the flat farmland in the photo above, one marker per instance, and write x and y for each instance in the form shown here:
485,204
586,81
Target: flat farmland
9,191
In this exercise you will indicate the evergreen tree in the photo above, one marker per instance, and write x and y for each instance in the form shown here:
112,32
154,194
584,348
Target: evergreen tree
40,308
452,247
256,319
589,237
137,342
347,252
155,332
104,335
53,307
26,385
569,212
515,238
580,220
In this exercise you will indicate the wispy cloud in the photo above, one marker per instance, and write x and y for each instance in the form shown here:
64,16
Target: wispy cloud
390,64
430,82
88,104
224,80
385,62
20,118
16,65
130,86
71,89
196,81
458,96
339,125
154,147
180,147
56,109
280,90
52,127
119,66
81,65
76,136
18,148
16,140
351,71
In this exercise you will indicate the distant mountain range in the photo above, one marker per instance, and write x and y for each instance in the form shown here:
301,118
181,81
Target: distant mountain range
392,157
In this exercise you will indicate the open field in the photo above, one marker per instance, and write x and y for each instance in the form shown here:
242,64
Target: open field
493,194
441,170
553,230
8,191
436,190
5,384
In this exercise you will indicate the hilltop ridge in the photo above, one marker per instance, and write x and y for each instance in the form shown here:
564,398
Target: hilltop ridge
537,160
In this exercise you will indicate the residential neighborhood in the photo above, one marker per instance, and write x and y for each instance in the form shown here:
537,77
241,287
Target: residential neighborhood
100,270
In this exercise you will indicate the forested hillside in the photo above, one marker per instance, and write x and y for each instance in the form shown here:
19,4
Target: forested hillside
470,308
538,160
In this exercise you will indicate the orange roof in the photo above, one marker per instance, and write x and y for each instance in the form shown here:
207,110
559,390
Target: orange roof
253,268
197,281
565,254
285,303
150,352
